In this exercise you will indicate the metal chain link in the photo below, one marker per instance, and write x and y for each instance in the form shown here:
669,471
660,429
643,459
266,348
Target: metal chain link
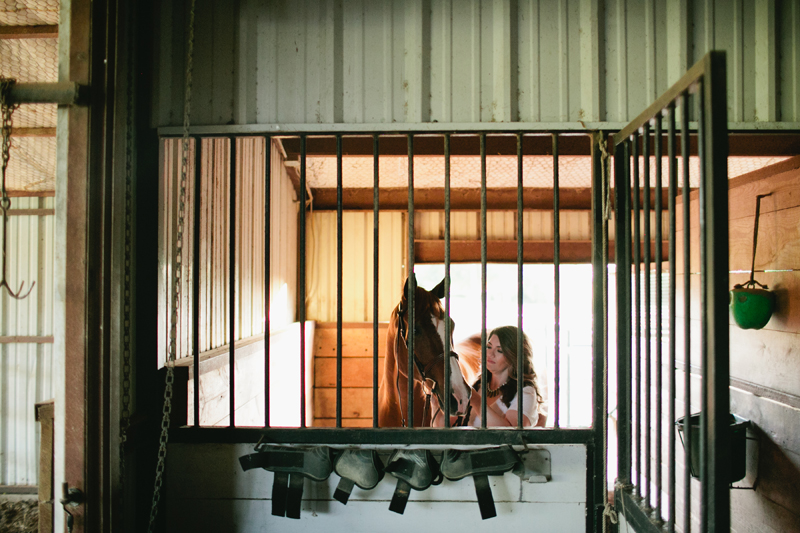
127,308
177,278
7,110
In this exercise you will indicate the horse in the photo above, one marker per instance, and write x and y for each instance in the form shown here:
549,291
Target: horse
431,352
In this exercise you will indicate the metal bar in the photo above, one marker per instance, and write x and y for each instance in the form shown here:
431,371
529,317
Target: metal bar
637,516
673,184
267,270
637,312
198,188
701,152
232,283
520,238
301,280
412,282
716,265
61,93
556,285
447,326
659,239
686,81
646,189
594,507
339,274
375,271
623,261
484,371
687,333
385,437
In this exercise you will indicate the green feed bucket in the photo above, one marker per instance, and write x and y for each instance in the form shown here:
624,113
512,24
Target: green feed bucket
751,308
736,439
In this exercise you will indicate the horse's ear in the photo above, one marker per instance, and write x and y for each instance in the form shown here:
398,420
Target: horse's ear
439,290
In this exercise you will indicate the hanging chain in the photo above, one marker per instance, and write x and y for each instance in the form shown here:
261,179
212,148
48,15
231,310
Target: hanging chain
608,509
127,308
177,278
7,110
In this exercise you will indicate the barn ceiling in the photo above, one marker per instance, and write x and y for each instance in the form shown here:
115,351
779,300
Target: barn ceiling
29,53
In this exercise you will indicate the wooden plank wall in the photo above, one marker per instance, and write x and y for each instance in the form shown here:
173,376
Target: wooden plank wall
357,368
215,238
765,363
357,265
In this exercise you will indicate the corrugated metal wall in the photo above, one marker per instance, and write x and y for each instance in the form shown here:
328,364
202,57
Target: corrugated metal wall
215,238
400,61
26,369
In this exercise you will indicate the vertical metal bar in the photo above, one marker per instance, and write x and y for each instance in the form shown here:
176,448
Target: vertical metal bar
637,311
673,184
716,266
484,372
520,241
599,267
267,269
375,272
701,152
198,188
412,281
339,274
447,327
623,261
659,319
687,334
301,281
556,285
232,283
646,189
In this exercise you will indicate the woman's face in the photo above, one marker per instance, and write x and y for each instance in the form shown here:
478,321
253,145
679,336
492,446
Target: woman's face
496,361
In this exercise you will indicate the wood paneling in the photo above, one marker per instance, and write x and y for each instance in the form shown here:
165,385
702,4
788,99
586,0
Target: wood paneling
357,366
356,403
357,265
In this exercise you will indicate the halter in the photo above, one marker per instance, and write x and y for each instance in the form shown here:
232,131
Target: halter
428,384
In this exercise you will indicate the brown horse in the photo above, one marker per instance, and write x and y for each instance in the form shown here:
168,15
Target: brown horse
431,352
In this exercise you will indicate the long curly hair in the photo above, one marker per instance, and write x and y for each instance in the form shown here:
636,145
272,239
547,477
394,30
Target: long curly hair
507,335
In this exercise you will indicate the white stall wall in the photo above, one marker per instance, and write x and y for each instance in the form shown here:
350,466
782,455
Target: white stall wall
26,369
400,61
222,497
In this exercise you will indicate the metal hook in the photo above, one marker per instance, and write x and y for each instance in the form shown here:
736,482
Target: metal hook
4,205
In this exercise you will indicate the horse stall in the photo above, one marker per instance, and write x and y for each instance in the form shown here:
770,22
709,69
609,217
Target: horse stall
326,387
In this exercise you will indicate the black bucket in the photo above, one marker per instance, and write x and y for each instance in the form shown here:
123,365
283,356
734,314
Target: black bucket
736,440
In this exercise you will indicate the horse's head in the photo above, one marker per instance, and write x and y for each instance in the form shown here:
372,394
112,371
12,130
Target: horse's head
431,349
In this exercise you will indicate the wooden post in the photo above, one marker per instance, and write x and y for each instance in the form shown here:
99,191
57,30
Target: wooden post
44,415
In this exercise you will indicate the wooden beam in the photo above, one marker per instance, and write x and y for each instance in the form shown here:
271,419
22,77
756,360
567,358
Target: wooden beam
430,251
29,32
23,339
396,199
31,212
33,132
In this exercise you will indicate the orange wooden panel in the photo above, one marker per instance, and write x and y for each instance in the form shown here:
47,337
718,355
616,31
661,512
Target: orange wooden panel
356,403
356,371
356,342
346,422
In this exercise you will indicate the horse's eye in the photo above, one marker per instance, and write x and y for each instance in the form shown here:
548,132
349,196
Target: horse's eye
417,329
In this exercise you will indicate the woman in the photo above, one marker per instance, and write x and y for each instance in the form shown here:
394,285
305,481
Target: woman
501,364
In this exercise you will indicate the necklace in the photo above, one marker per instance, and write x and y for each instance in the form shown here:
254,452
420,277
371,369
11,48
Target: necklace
491,393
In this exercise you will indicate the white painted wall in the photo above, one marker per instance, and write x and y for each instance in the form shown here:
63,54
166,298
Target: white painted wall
221,497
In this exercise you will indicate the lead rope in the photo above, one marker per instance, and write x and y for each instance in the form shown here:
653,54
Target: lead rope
608,509
177,280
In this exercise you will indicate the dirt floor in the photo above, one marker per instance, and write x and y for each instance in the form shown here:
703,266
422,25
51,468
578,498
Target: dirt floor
19,516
